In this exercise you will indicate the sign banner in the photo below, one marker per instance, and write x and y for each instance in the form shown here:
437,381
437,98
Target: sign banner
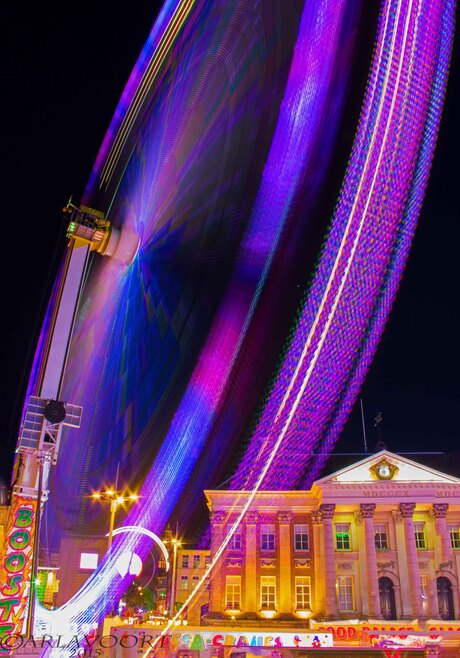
410,641
444,626
344,633
16,564
199,640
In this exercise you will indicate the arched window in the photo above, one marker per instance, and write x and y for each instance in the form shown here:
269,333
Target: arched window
445,598
387,598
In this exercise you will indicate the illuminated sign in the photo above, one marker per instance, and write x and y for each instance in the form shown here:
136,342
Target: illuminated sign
200,640
446,626
410,641
346,633
16,566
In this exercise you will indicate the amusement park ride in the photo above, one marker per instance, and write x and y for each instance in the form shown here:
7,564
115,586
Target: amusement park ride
219,146
46,414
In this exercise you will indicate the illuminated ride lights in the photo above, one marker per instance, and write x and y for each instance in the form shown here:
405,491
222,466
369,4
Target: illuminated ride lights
301,128
148,533
363,260
354,286
357,277
364,257
184,190
163,41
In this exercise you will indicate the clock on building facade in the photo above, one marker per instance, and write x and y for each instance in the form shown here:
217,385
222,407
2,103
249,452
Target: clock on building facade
383,470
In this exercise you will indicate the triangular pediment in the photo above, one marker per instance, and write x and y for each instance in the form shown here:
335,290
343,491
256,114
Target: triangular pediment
398,469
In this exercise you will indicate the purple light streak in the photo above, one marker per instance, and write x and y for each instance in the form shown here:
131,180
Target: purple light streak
300,129
366,249
356,280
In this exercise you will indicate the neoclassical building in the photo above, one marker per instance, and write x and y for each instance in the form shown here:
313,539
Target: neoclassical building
378,540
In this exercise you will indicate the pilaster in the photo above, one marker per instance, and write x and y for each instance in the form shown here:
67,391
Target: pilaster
216,593
403,567
330,595
251,566
439,511
285,558
406,511
367,514
318,555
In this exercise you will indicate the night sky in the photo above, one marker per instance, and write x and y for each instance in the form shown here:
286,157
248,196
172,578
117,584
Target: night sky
63,69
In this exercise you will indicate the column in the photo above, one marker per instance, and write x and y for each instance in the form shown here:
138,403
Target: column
330,594
367,514
407,510
216,604
250,563
284,589
439,513
433,603
318,552
405,611
362,599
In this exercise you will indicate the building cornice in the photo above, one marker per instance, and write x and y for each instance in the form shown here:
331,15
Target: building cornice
388,492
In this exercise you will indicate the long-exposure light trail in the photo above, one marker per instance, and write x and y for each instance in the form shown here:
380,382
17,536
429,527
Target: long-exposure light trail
404,106
346,233
415,198
348,302
349,262
267,462
299,131
262,457
174,26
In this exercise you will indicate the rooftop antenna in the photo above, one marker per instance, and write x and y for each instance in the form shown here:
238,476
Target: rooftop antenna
364,425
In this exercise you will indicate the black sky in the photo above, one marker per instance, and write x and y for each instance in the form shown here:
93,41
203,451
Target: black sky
63,68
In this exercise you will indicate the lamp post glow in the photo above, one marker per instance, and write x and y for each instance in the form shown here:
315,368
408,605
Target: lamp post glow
115,498
176,544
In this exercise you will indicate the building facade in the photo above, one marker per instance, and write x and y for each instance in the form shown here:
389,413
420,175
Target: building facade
190,571
379,540
79,557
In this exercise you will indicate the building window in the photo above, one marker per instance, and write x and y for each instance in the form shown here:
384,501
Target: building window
195,581
345,592
185,561
424,583
207,583
420,538
445,598
301,537
302,593
342,537
233,592
454,531
381,536
184,582
89,561
267,538
387,598
207,560
234,543
196,561
267,592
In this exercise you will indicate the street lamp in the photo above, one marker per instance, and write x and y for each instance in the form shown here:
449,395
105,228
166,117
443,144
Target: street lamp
176,544
115,498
